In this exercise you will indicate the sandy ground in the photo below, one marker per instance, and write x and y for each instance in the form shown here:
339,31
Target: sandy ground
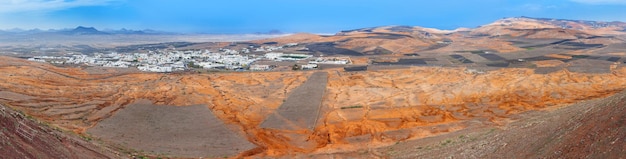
187,131
548,63
302,108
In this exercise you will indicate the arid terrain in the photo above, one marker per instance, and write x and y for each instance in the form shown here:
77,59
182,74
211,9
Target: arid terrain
518,88
24,137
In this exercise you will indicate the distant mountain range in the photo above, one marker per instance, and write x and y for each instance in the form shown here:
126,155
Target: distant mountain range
504,35
512,23
82,30
495,28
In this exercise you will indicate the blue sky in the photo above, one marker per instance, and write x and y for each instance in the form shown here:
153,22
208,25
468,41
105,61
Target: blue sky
316,16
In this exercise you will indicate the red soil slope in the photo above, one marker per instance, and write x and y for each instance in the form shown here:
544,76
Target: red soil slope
590,129
24,137
373,107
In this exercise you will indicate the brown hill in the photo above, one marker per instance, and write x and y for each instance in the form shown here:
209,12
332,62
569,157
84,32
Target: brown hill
536,87
397,40
549,28
591,129
503,26
374,108
295,38
528,28
364,41
591,27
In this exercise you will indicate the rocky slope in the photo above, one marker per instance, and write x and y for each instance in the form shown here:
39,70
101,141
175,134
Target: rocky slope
21,136
590,129
375,108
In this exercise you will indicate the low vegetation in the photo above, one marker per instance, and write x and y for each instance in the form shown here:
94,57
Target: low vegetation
352,107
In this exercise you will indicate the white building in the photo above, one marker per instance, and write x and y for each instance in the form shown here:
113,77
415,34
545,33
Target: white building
154,68
309,66
211,65
331,60
277,56
273,55
291,44
259,67
36,59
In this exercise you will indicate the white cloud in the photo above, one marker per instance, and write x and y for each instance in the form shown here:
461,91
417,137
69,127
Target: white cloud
622,2
16,6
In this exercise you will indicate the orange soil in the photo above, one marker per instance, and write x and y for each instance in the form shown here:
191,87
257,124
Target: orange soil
467,44
359,60
390,100
559,56
414,42
548,29
548,63
403,45
359,40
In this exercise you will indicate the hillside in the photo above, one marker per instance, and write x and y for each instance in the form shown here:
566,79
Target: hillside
560,28
496,36
24,137
373,107
516,88
590,129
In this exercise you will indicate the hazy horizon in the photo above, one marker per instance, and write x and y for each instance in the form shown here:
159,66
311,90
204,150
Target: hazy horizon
325,16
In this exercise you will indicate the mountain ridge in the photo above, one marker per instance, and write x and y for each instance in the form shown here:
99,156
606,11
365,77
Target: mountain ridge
502,35
84,30
546,23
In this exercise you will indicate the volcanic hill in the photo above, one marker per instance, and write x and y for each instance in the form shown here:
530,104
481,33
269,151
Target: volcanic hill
519,87
500,36
373,107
